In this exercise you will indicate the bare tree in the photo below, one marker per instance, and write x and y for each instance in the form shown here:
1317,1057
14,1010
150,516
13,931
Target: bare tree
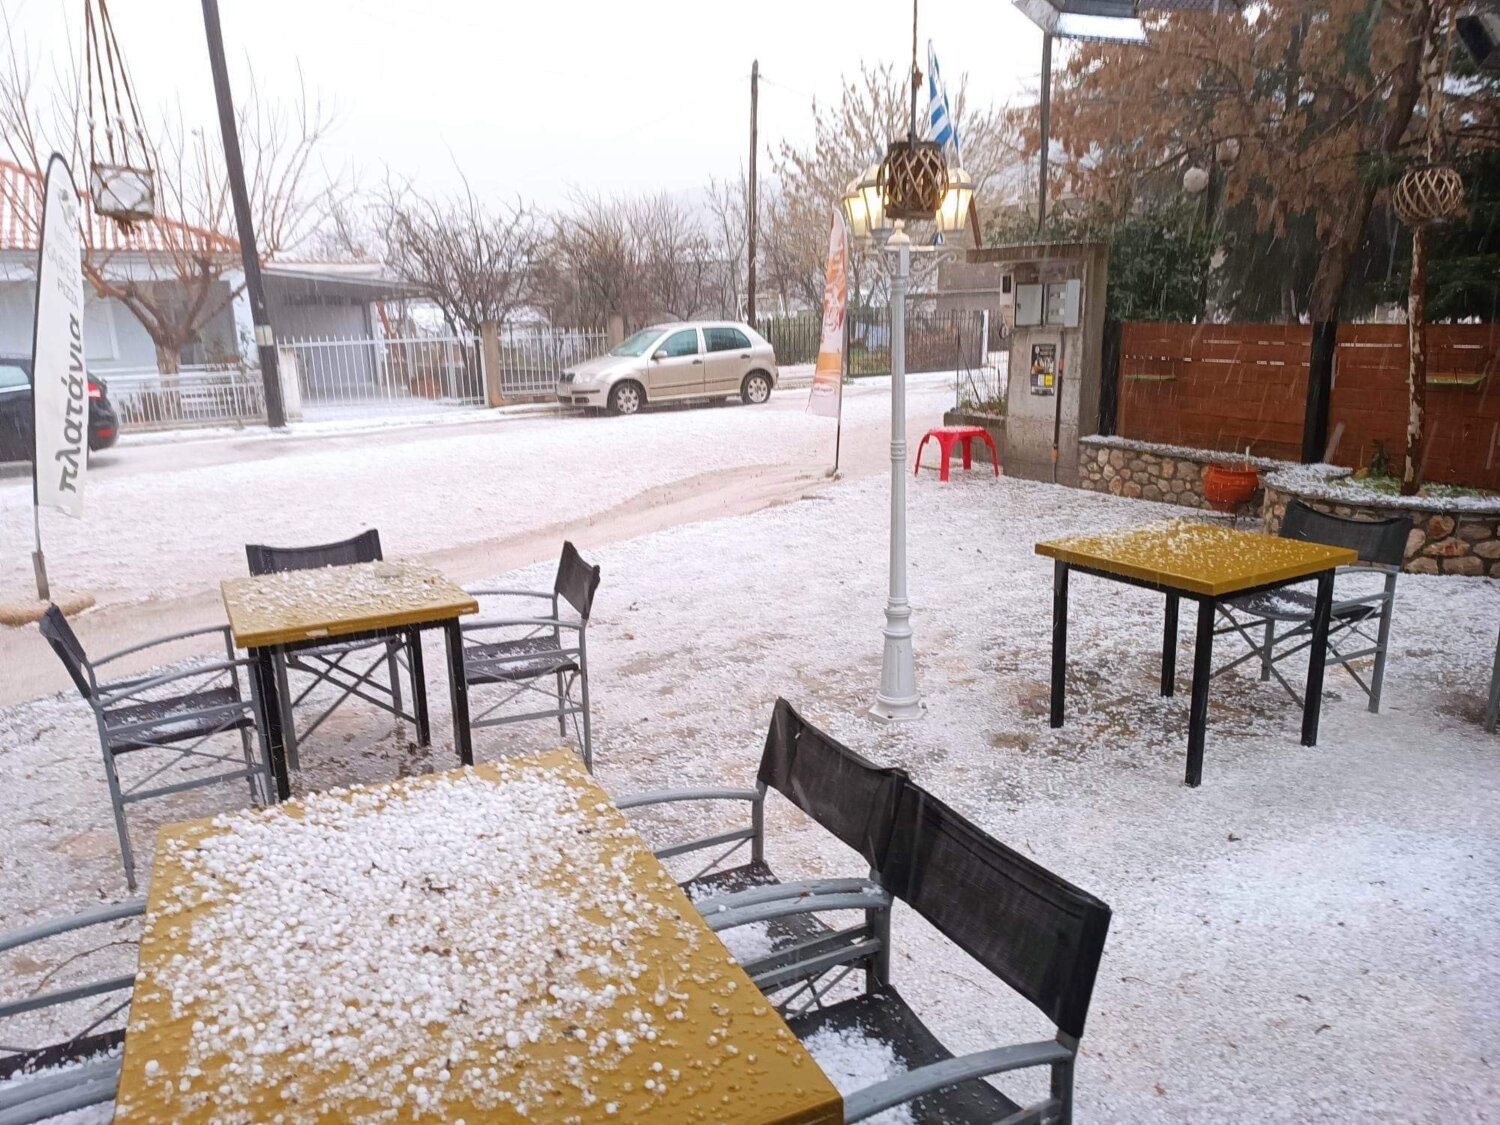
178,275
675,254
727,204
474,263
873,109
639,258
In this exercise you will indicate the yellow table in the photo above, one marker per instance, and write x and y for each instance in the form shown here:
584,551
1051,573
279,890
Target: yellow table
270,613
442,948
1206,563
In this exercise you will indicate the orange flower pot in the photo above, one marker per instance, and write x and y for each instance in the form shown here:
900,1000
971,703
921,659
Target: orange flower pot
1227,489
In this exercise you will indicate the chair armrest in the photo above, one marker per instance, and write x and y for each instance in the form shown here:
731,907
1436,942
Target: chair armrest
515,622
902,1088
224,629
131,908
135,687
774,892
498,591
727,918
669,796
51,1095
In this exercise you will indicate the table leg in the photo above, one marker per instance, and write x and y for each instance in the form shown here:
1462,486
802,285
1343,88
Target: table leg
270,705
994,453
1317,660
418,687
458,689
1203,664
1169,647
946,449
968,453
1059,638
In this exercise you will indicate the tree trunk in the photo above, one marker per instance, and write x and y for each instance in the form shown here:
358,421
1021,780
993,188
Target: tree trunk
1416,372
1327,291
169,397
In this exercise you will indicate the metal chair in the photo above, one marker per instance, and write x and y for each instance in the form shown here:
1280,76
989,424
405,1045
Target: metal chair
842,792
44,1095
1381,545
522,653
1037,933
331,663
173,710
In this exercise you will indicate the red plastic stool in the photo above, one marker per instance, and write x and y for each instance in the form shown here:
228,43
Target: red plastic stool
948,437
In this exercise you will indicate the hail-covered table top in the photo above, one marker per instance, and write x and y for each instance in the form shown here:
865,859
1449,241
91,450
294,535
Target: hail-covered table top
1197,558
331,601
487,944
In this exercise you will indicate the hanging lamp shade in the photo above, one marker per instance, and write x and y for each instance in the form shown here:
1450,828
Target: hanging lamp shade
863,207
953,215
912,178
1428,193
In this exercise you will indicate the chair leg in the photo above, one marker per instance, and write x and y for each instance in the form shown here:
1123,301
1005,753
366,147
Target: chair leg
393,666
1269,643
1492,712
122,829
288,722
255,790
1062,1090
588,742
562,707
1382,643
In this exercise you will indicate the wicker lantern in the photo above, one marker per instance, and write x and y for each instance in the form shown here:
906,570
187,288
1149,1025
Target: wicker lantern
913,177
1428,193
122,183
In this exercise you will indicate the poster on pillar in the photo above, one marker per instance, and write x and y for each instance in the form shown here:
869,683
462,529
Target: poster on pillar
827,397
59,383
1044,369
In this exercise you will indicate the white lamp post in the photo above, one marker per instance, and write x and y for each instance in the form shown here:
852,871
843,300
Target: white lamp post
865,211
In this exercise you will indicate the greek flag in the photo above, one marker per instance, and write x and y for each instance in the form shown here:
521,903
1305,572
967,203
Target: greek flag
940,125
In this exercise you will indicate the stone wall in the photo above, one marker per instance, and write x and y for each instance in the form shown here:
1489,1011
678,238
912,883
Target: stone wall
1457,536
1147,471
1458,540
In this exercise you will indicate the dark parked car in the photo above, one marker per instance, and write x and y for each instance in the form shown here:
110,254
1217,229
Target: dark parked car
15,411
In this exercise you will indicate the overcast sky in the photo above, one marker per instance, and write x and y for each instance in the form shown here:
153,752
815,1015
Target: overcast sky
532,97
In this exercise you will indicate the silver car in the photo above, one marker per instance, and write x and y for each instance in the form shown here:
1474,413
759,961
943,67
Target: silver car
672,362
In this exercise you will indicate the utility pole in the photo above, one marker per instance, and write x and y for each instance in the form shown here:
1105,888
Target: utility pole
265,339
1046,108
751,219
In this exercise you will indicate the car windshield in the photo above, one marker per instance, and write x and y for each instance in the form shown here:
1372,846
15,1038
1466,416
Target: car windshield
637,344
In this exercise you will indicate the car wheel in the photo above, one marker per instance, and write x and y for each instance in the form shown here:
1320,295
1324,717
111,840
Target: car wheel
625,398
756,388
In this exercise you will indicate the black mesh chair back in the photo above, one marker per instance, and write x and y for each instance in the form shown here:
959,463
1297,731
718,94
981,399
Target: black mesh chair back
576,580
1381,542
364,547
1038,933
65,643
846,794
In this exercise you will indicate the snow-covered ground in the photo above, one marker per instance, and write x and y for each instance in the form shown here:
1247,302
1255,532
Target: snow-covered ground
166,522
1308,936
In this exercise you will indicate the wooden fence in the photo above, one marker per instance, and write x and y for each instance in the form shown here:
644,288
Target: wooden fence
1233,386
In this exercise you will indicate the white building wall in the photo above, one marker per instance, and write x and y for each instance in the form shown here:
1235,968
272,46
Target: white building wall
113,339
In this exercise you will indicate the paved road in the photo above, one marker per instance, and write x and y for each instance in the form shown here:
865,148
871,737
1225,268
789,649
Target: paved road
167,521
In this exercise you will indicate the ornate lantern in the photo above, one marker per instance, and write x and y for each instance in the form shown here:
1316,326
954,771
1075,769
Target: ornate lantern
1428,193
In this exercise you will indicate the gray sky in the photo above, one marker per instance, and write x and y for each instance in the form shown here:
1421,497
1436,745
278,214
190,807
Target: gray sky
531,97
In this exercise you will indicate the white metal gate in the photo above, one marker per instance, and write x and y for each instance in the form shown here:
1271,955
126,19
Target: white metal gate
413,373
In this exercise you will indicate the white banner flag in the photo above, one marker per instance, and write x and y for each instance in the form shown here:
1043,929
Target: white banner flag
59,384
827,396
